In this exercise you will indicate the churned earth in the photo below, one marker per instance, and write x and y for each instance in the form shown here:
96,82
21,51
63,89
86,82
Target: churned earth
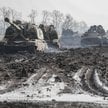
75,78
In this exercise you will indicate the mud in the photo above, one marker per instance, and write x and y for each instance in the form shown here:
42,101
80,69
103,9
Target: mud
15,69
19,67
51,105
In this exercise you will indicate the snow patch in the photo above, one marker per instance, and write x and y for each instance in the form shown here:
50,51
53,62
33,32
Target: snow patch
99,81
40,90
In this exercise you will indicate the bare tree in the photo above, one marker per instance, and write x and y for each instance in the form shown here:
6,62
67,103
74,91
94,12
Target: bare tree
32,16
14,14
68,22
4,12
45,17
57,18
82,27
10,13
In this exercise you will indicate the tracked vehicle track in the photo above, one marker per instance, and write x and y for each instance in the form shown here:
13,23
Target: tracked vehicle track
90,81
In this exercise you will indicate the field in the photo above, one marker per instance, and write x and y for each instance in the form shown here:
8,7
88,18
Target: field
75,78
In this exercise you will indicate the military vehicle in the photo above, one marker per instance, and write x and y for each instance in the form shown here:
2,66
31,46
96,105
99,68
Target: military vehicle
92,39
70,39
24,37
14,40
95,36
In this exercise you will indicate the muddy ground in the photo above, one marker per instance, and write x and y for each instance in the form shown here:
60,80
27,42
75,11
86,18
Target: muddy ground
21,66
17,68
52,105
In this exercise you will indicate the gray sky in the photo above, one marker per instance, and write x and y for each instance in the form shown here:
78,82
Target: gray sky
90,11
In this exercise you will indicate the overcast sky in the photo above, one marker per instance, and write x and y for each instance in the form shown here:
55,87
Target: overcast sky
90,11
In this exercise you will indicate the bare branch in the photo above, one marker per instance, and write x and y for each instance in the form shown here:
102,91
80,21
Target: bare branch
32,16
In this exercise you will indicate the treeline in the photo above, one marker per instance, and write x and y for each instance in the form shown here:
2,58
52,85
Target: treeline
56,18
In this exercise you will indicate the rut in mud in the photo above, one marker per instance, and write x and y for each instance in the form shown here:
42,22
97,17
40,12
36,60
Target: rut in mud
90,81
